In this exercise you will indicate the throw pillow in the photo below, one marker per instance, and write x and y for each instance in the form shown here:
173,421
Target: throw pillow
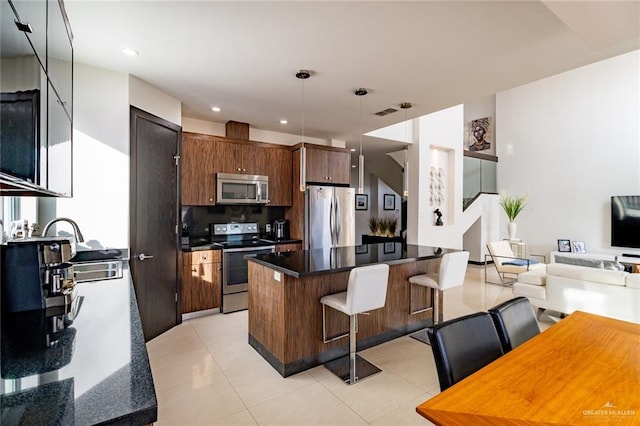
578,261
521,262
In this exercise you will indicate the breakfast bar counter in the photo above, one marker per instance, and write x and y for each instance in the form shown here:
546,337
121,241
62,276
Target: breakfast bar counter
88,366
285,314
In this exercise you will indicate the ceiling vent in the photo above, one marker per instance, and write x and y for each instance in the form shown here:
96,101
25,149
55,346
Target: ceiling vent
386,112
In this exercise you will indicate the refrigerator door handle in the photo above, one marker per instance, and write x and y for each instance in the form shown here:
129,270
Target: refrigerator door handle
331,222
337,222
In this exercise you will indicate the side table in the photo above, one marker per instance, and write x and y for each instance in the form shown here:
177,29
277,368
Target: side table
519,248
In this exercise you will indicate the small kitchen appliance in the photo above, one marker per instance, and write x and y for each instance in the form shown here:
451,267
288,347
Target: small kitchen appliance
241,189
36,274
280,229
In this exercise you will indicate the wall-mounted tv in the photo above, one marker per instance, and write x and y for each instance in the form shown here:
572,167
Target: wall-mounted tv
625,221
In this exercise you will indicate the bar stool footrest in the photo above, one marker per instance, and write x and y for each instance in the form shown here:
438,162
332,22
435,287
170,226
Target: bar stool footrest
340,367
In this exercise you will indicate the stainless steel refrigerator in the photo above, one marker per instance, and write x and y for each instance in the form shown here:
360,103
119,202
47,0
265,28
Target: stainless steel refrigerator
329,217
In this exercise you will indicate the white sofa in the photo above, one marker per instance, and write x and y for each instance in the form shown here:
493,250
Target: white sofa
567,288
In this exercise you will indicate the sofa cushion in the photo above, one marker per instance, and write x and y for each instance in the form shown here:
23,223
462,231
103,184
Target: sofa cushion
582,273
633,281
528,290
534,277
580,261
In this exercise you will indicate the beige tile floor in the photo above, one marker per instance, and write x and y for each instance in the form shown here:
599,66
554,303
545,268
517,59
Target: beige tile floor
206,373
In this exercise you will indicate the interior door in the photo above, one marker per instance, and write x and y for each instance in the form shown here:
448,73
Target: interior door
154,220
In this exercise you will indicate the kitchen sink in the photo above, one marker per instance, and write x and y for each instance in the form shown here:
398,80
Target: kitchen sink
96,255
97,271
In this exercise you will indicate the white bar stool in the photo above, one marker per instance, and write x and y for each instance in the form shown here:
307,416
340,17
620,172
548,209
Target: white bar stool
366,291
453,267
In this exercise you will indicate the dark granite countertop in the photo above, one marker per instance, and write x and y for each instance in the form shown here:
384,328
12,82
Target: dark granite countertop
210,246
329,260
95,370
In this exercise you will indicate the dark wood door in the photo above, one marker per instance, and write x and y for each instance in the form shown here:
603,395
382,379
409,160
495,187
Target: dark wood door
154,220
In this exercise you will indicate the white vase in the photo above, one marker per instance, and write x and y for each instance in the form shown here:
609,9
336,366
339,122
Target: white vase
512,228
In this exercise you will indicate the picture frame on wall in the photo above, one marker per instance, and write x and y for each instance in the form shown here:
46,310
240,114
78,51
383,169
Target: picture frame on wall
578,247
362,249
389,202
564,246
389,248
362,201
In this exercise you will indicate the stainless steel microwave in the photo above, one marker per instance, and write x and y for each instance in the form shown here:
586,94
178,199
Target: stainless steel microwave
242,189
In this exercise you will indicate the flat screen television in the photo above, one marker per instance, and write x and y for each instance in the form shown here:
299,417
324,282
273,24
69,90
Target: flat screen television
625,221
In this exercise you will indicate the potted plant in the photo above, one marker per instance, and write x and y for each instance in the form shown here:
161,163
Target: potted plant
373,225
393,225
512,206
383,225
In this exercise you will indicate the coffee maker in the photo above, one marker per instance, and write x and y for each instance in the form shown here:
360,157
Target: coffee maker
36,274
280,229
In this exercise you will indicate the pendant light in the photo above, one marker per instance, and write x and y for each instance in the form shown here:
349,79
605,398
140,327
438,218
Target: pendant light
405,178
303,75
361,92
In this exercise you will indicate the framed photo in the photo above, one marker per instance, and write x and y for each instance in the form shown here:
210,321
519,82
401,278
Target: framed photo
389,248
564,246
362,201
363,249
578,247
389,202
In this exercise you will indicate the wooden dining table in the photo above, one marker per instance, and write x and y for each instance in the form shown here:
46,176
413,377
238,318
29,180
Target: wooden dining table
583,370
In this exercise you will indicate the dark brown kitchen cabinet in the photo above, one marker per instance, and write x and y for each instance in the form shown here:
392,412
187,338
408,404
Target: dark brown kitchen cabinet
198,169
240,157
201,280
278,168
328,165
280,248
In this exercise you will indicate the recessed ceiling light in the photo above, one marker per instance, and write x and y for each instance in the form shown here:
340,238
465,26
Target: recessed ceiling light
283,121
215,109
353,166
353,150
130,52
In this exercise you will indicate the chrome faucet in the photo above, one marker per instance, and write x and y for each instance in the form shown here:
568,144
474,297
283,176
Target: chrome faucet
76,231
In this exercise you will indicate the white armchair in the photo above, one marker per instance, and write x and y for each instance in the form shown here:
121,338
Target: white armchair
507,264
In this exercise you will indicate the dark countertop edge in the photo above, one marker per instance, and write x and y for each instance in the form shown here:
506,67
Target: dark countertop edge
150,410
213,247
146,409
336,270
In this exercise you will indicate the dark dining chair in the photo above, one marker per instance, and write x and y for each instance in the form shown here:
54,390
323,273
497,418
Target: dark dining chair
515,321
462,346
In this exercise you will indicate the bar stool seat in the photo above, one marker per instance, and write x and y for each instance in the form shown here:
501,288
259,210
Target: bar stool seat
453,267
366,291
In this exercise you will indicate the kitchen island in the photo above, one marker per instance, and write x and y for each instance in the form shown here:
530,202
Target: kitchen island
285,314
89,366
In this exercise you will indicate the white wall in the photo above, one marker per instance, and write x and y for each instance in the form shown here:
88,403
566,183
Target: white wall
219,129
440,146
147,98
571,141
100,203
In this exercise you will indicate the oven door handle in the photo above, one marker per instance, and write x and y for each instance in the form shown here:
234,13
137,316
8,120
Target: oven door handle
261,248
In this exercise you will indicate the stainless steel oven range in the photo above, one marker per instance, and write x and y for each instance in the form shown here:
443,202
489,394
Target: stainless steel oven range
237,240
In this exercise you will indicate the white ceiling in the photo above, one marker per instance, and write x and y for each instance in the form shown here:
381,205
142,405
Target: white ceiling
242,56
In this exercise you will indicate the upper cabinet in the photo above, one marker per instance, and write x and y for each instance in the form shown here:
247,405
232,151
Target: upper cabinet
197,169
328,165
203,156
36,81
240,157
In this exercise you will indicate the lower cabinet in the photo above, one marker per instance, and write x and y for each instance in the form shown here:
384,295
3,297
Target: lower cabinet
288,247
201,280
